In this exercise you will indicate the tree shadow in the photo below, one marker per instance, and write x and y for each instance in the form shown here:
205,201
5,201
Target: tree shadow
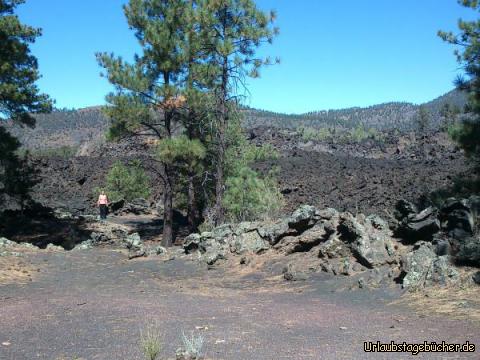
464,186
151,229
38,226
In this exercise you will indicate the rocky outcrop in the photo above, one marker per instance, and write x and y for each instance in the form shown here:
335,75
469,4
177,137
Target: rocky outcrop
340,243
11,248
333,238
422,267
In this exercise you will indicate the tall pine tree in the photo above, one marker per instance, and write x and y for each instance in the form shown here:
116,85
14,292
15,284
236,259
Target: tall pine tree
232,31
467,134
145,102
19,98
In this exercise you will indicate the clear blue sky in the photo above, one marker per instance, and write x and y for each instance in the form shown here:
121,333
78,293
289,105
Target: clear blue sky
334,54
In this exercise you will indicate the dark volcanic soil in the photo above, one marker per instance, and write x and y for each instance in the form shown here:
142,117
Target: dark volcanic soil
358,184
366,177
93,305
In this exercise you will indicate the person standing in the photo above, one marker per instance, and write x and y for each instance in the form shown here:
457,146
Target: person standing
102,203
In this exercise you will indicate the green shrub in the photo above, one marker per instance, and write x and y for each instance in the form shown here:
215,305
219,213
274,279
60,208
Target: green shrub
126,182
248,196
150,343
312,134
62,151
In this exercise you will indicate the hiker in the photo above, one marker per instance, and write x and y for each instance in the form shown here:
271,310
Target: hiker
103,204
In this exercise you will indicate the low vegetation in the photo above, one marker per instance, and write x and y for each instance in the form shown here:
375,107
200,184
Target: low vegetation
151,343
340,135
127,182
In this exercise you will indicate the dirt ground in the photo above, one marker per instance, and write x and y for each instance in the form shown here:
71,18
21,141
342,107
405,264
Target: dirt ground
93,304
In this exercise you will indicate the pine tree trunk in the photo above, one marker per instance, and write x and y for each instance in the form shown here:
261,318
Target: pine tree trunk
220,175
167,239
192,209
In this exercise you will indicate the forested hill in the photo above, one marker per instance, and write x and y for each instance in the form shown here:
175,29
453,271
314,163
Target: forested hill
394,115
75,127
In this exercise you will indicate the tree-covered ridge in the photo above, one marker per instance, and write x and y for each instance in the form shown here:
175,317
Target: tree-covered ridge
72,127
393,115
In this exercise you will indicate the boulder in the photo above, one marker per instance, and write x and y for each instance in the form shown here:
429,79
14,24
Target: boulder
54,247
133,242
421,226
417,265
303,218
135,207
442,272
369,239
115,206
250,242
467,251
476,278
333,248
308,239
222,232
457,218
403,209
192,243
213,254
422,267
86,245
157,250
328,214
274,232
245,227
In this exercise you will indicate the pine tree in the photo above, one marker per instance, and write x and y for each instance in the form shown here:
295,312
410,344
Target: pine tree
19,96
423,120
467,134
232,30
147,97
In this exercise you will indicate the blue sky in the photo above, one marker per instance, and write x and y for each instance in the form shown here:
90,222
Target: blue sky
334,54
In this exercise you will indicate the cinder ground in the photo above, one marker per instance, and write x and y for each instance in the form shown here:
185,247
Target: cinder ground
93,304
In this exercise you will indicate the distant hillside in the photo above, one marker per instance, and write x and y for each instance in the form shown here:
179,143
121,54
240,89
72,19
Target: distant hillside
394,115
74,128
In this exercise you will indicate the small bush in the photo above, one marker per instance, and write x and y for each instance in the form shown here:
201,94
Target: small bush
193,345
126,182
250,197
151,343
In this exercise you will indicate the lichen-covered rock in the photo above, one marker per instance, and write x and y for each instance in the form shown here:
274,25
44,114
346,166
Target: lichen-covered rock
274,232
307,240
213,254
222,232
422,267
442,272
53,247
370,239
157,250
303,218
133,242
250,242
416,266
333,248
192,243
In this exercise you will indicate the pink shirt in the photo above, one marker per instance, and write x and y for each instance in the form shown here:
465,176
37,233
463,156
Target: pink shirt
103,200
